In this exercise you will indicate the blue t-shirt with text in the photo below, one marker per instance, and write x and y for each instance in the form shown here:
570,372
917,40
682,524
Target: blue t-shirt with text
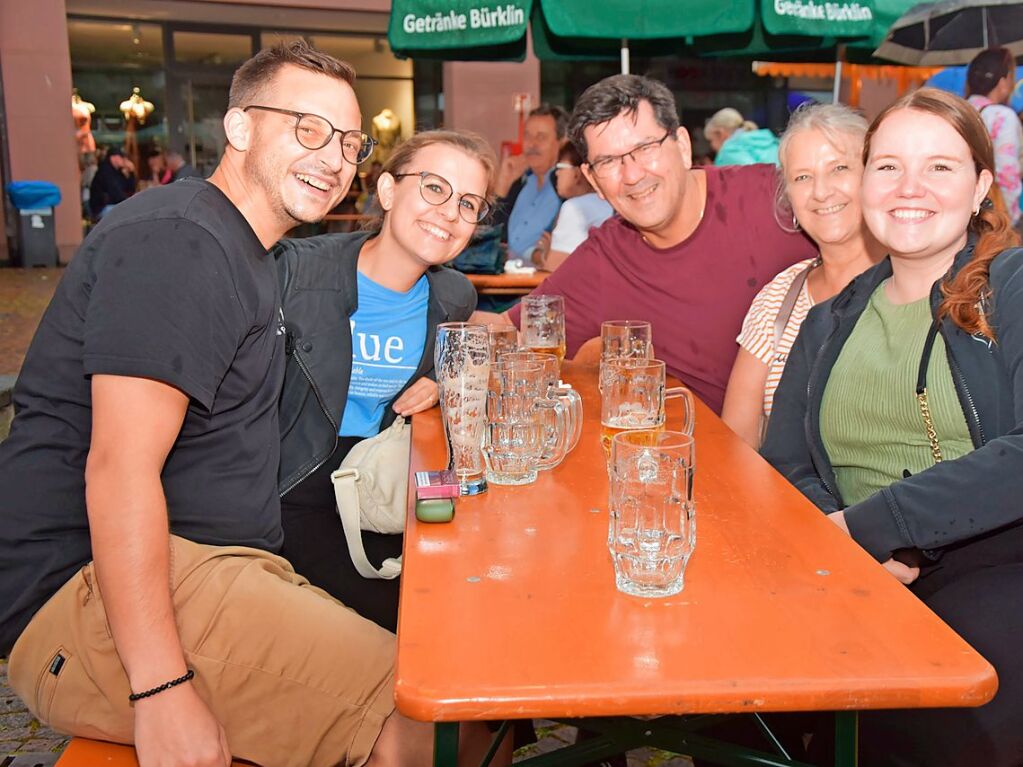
388,338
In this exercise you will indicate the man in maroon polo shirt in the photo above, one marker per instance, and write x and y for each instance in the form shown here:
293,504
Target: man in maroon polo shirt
689,248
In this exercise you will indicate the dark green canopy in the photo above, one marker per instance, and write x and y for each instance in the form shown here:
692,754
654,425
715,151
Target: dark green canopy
482,30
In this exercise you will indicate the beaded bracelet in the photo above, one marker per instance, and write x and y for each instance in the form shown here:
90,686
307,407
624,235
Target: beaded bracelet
165,686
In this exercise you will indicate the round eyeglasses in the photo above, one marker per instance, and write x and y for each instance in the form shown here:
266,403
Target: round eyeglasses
436,190
315,132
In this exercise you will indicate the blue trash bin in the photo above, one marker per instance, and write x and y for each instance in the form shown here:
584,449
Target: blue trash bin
37,239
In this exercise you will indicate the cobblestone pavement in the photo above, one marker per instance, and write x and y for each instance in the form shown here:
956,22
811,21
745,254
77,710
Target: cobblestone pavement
552,736
20,733
24,295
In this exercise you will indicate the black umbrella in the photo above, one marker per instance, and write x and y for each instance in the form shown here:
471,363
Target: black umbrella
953,32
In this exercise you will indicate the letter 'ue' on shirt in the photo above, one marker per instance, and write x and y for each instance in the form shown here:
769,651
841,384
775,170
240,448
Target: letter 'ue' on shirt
388,338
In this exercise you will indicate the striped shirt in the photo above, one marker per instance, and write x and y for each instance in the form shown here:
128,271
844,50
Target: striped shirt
757,335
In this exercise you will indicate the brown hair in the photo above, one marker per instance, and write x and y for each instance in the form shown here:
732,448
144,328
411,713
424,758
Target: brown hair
620,95
986,69
255,74
471,143
966,292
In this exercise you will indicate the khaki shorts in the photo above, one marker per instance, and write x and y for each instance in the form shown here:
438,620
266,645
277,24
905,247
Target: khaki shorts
294,677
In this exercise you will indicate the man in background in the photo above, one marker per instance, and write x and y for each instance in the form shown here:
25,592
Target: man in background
528,200
179,168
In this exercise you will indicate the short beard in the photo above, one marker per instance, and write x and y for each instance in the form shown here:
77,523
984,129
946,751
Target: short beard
260,171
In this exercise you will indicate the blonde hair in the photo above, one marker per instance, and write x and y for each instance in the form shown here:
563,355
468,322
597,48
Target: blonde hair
832,120
727,121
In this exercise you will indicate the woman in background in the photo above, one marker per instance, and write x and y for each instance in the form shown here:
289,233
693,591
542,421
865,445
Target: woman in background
738,141
990,81
582,210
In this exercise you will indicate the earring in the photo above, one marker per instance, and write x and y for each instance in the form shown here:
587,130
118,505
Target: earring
976,211
795,223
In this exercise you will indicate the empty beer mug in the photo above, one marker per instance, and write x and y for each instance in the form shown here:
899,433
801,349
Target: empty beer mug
517,441
621,340
633,398
543,325
551,370
462,365
652,526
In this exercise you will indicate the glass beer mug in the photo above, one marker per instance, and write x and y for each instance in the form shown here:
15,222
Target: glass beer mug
573,402
633,398
517,440
543,325
462,365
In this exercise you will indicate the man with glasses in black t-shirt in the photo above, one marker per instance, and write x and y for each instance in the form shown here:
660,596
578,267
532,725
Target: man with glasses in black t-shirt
140,600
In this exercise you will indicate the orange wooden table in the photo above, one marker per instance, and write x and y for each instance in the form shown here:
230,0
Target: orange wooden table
506,284
510,611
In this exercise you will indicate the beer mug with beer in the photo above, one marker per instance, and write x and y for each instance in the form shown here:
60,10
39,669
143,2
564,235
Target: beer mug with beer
633,398
543,325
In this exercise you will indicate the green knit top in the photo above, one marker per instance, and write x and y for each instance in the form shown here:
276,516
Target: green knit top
870,419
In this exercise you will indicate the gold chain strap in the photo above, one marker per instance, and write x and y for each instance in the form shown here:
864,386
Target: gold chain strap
932,435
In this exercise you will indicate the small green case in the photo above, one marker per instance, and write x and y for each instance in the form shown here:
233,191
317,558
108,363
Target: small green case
435,510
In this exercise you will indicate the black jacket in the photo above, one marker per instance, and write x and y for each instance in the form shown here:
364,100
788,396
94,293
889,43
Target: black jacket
319,293
951,501
109,187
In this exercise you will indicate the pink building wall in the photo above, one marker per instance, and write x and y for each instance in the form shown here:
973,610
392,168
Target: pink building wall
36,67
480,96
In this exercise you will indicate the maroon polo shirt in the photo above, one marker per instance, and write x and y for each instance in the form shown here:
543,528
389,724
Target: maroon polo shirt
696,293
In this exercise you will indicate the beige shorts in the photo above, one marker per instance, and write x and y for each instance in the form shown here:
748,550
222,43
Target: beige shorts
294,677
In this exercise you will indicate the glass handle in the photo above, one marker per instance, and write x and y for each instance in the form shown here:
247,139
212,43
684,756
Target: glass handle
688,407
574,405
562,431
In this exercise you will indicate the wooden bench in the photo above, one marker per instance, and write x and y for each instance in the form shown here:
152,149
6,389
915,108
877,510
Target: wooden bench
82,752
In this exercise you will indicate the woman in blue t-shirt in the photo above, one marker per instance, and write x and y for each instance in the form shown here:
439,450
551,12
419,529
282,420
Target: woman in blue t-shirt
360,312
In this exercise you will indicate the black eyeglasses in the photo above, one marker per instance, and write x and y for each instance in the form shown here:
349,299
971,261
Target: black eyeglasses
606,167
315,132
436,190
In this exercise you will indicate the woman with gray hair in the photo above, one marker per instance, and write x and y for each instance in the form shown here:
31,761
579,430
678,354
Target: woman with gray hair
821,168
